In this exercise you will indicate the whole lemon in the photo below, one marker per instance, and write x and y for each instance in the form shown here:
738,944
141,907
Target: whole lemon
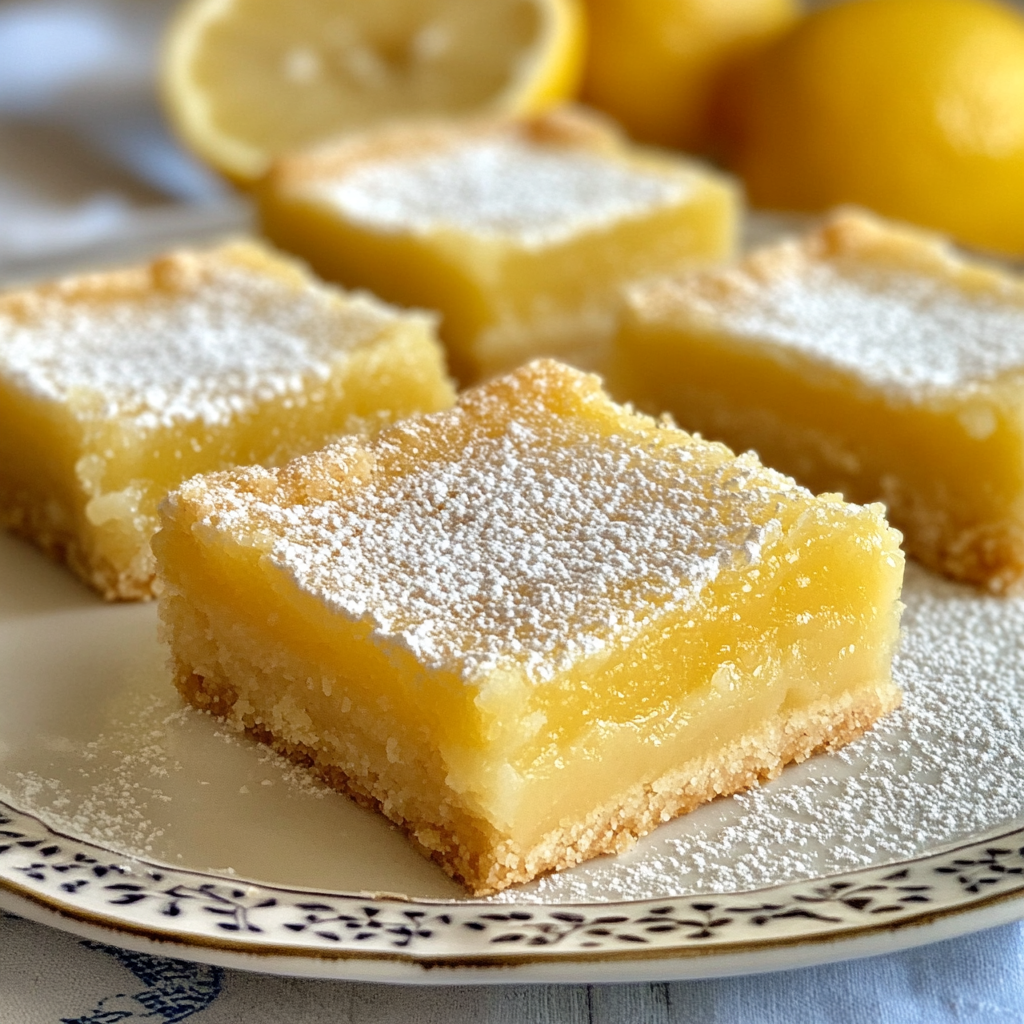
653,64
914,108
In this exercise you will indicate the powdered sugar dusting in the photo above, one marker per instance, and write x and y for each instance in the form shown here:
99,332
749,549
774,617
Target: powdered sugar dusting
945,767
901,331
537,194
118,779
227,337
533,548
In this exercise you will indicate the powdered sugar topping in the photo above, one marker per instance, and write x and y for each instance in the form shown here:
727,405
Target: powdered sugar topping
528,549
901,331
539,195
229,339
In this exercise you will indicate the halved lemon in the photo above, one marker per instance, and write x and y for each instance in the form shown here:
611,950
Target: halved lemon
245,80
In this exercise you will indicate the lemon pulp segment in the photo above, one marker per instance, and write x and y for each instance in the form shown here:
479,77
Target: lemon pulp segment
247,80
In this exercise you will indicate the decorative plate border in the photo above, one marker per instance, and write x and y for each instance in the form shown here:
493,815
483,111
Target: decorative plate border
84,882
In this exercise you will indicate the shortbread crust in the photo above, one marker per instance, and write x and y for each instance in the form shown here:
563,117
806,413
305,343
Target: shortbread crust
611,828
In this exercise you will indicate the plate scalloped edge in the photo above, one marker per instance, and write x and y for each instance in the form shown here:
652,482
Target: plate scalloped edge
75,885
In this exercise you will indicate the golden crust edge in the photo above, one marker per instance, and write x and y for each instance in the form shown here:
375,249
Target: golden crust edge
846,234
986,555
746,762
570,126
613,827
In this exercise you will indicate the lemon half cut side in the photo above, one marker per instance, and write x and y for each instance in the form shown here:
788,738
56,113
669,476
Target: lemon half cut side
246,80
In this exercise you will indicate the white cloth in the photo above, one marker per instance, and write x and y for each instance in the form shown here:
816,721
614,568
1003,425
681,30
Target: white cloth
47,976
84,153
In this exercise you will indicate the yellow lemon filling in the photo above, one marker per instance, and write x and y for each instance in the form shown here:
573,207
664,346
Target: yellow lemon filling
867,359
114,387
520,232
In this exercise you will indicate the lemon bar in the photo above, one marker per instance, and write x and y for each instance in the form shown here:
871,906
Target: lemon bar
531,628
865,358
519,231
116,386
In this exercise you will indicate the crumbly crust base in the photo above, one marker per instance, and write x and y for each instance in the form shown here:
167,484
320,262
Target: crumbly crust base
487,862
987,555
47,526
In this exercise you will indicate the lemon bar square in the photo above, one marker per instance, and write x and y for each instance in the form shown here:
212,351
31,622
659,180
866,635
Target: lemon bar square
116,386
866,358
531,628
520,232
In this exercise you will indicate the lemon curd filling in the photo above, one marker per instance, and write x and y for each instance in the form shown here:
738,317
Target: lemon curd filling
865,358
519,231
533,627
114,387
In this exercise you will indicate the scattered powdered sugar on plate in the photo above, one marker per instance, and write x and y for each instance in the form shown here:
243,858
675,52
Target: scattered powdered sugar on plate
538,195
108,784
115,789
946,766
206,339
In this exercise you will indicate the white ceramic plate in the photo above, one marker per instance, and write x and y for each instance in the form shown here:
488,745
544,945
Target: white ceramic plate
125,816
